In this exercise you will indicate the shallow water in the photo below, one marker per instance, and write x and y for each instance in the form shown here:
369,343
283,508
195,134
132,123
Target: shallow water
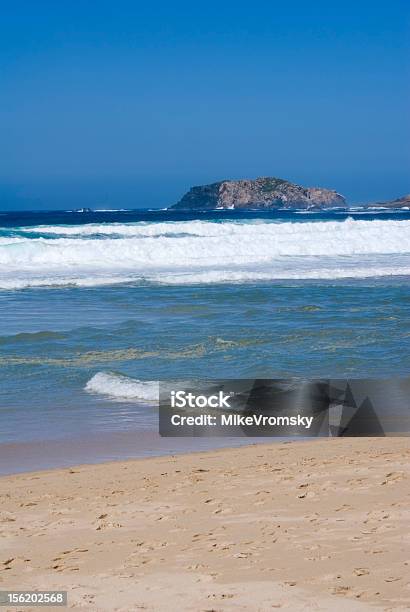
189,315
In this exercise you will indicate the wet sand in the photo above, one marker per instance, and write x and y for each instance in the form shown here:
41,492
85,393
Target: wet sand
28,456
320,525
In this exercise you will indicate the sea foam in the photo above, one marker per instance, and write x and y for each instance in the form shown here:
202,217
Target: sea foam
119,387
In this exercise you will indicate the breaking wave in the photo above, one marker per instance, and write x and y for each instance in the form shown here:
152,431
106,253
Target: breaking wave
203,252
119,387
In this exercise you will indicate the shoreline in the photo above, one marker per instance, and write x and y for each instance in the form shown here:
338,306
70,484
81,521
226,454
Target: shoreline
106,447
320,525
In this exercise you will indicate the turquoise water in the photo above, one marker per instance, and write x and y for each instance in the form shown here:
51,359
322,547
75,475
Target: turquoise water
90,312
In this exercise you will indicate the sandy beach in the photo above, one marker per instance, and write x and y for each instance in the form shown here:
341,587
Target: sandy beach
321,525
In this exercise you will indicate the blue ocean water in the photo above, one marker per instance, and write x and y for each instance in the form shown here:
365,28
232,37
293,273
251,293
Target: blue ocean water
95,308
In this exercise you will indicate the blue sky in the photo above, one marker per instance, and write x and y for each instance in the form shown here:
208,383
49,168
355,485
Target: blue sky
128,104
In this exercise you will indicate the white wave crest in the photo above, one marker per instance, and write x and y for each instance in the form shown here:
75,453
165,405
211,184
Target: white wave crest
119,387
204,251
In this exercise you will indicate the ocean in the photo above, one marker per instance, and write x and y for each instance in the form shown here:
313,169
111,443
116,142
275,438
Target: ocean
95,308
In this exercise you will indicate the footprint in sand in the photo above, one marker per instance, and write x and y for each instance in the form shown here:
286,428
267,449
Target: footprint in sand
392,477
307,495
361,571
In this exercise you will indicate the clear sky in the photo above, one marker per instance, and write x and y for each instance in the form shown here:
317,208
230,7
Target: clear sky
128,104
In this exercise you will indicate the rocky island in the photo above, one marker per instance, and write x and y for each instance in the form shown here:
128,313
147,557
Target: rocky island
403,203
268,193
